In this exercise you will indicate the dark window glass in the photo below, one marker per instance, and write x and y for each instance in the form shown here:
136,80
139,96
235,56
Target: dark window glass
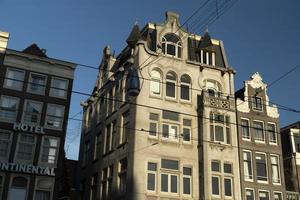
215,166
170,115
164,183
173,183
215,186
228,186
227,168
170,90
170,164
151,182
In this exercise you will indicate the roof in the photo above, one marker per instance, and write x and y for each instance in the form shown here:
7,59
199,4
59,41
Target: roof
35,50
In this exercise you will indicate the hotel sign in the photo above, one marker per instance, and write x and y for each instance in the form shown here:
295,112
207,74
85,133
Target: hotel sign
30,169
28,128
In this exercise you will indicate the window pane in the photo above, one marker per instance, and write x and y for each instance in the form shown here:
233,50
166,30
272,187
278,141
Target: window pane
275,169
153,116
186,134
173,183
164,183
151,166
170,164
155,86
187,122
8,108
14,79
278,196
258,131
215,186
272,133
170,115
37,83
59,87
185,92
263,195
228,186
170,89
249,195
215,166
171,49
219,134
186,185
245,129
42,195
247,165
227,168
261,167
151,182
153,129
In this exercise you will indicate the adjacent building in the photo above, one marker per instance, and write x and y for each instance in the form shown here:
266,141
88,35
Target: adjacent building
261,160
291,155
160,123
34,105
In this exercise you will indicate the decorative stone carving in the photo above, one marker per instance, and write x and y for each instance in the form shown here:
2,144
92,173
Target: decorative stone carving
256,81
242,106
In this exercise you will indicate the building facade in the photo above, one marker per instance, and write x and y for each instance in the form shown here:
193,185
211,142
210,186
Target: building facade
291,155
261,160
161,121
34,104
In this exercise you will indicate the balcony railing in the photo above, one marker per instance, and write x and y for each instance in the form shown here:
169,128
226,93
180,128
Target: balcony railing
220,102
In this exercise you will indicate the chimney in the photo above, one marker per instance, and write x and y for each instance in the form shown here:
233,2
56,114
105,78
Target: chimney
4,36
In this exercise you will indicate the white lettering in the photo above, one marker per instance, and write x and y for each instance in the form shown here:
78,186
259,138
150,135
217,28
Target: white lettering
28,128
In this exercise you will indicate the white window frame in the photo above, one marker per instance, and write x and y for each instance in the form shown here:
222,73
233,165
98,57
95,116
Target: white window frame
225,125
217,88
232,185
263,132
13,79
6,109
9,143
249,131
18,160
267,171
189,85
56,153
263,191
190,177
177,46
44,189
155,80
52,89
39,115
220,189
275,133
155,173
157,125
190,130
254,103
277,192
11,180
62,117
169,175
170,137
39,85
251,190
251,161
175,85
278,168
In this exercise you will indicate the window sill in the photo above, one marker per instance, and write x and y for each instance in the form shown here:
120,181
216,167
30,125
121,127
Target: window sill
188,102
263,182
259,142
171,99
150,137
246,140
155,96
172,57
273,144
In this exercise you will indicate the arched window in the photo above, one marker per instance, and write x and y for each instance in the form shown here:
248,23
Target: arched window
213,88
171,45
171,84
18,189
185,85
155,88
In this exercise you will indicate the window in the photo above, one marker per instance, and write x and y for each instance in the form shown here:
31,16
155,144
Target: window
185,85
186,130
8,108
37,83
1,184
170,131
5,142
98,144
44,189
94,185
271,132
258,128
49,150
104,183
153,124
32,112
263,195
207,57
125,127
86,153
215,166
187,181
59,87
14,79
108,139
212,88
227,187
220,128
155,84
275,169
18,188
257,103
245,129
55,116
151,176
249,194
123,176
278,196
215,185
26,148
228,168
110,180
169,179
247,160
261,167
171,80
113,134
171,45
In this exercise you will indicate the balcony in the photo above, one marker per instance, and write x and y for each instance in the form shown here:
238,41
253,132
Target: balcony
219,102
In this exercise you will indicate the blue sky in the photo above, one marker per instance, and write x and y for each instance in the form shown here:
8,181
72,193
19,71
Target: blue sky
259,35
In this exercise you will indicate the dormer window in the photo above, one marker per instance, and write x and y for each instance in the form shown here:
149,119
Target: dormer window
257,103
213,88
171,45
